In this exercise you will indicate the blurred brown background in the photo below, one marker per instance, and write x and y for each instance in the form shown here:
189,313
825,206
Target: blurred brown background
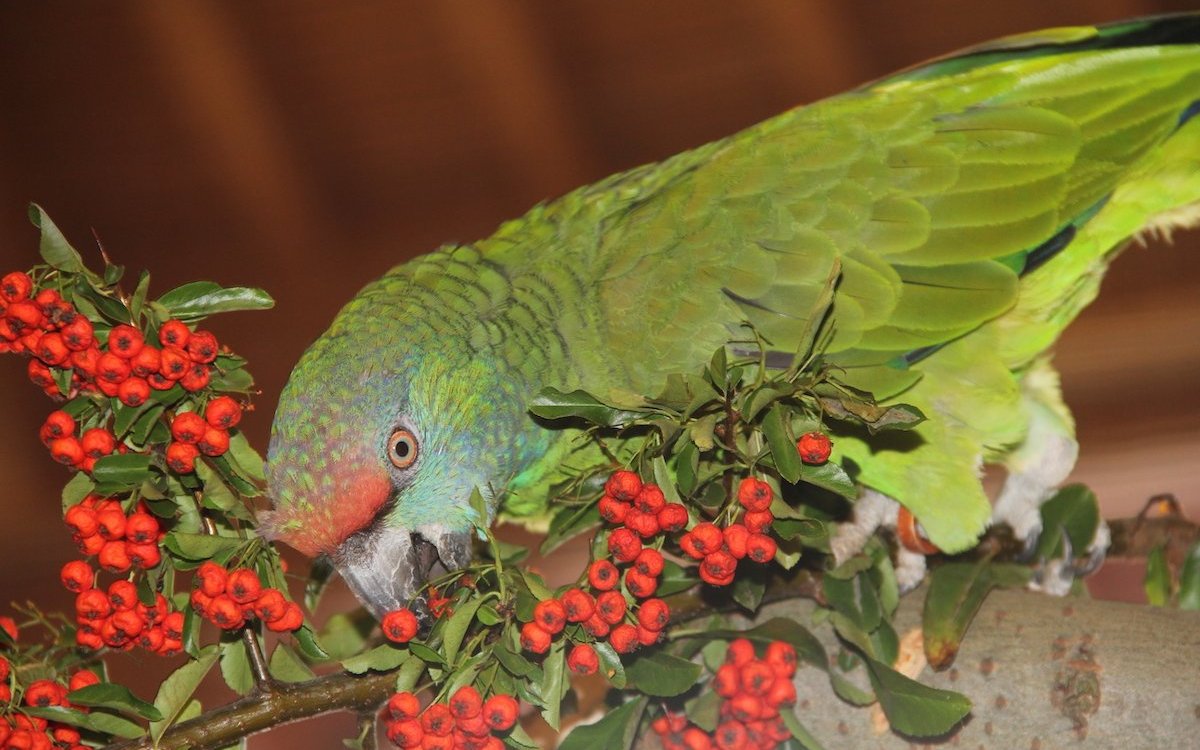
307,146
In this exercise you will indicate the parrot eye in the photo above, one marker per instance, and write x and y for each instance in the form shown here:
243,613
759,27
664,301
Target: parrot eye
402,448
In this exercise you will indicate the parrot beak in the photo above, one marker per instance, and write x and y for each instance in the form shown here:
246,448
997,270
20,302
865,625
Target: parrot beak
386,567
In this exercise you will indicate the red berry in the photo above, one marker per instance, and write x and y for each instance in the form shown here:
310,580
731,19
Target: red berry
650,499
173,363
82,520
623,485
98,442
58,424
624,638
86,361
202,346
225,613
290,620
92,604
744,707
781,693
146,362
129,622
648,637
23,316
52,349
214,443
243,585
77,576
596,626
551,615
269,605
112,369
406,733
223,413
649,562
718,568
159,383
141,528
654,614
151,639
403,706
757,677
500,712
134,392
144,556
181,457
694,738
188,427
90,545
690,546
534,638
466,703
640,585
754,494
814,447
211,578
613,510
42,693
583,660
15,286
67,451
624,545
610,607
727,681
78,335
122,595
730,735
125,341
758,521
644,524
708,538
603,575
761,548
578,605
400,625
174,333
438,721
196,378
736,536
110,523
672,517
83,678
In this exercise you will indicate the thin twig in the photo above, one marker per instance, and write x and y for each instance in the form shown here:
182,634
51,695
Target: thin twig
263,681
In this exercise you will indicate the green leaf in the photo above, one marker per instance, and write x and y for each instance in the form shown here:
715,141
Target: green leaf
200,299
306,639
749,587
177,689
674,579
802,735
244,458
554,684
610,664
1189,580
808,648
410,672
516,664
569,522
319,575
829,476
54,247
783,447
1157,582
287,666
661,674
382,658
956,591
912,708
76,490
110,695
137,300
615,731
1073,511
217,495
96,721
876,418
704,710
200,546
122,471
235,667
456,628
551,403
344,635
426,654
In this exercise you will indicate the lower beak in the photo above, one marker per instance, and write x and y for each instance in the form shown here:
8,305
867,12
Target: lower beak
387,568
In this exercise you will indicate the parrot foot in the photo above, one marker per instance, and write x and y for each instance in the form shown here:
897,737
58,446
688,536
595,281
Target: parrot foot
1057,577
874,510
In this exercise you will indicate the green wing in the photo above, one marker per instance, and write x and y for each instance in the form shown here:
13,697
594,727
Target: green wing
929,197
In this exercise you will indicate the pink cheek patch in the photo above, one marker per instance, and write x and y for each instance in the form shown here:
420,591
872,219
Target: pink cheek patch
331,520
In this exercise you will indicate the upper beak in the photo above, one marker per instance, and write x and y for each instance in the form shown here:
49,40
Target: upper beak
386,567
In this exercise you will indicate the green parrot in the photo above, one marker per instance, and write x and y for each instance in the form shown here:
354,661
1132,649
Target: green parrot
949,221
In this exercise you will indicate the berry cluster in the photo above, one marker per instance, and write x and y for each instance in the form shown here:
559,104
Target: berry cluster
465,722
753,690
117,618
19,731
119,541
227,598
194,435
719,550
79,452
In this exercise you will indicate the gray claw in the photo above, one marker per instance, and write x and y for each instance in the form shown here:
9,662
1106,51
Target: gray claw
1029,546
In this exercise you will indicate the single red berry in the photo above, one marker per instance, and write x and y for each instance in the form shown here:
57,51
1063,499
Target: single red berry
672,517
649,562
690,546
144,556
623,485
81,679
243,585
223,413
174,333
640,585
730,735
112,369
754,494
146,362
211,578
727,681
157,611
225,613
52,349
92,604
202,346
82,520
624,638
58,424
403,706
650,499
758,521
78,335
98,442
42,693
151,639
407,733
141,528
603,575
757,677
534,638
214,443
90,545
597,626
400,625
188,427
654,614
708,538
610,607
648,637
624,545
196,378
694,738
643,524
718,568
613,510
77,576
270,604
551,615
578,605
110,523
500,712
23,316
173,626
86,361
40,375
181,457
125,341
583,659
134,392
159,383
437,721
15,286
173,363
736,535
781,693
761,548
466,703
129,622
122,595
814,447
67,451
744,707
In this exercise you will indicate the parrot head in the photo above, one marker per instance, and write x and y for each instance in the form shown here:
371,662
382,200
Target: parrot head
373,459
